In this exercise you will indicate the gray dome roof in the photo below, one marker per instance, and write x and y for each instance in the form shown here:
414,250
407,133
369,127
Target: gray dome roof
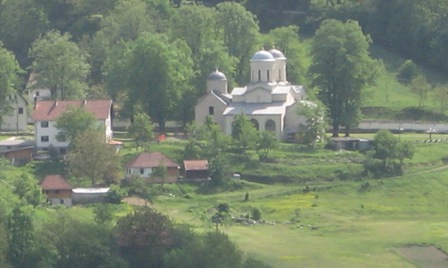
262,55
277,54
216,75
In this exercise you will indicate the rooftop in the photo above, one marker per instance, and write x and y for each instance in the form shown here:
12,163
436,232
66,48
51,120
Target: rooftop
150,160
50,110
196,164
55,182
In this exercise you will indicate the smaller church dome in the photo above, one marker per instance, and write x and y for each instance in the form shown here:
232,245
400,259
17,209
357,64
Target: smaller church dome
262,55
216,75
277,54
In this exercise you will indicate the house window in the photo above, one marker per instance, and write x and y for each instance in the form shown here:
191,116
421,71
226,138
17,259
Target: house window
142,171
20,110
44,139
129,171
211,110
61,201
37,93
44,124
63,150
56,191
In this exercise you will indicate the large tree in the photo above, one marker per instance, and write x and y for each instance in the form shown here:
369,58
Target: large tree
73,122
159,72
93,159
9,79
141,129
60,65
241,33
341,69
244,134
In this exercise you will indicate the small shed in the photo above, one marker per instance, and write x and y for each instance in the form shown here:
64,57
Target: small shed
57,189
196,170
146,163
89,195
18,152
349,143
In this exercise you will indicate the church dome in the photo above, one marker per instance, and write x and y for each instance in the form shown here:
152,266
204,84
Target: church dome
277,54
262,55
216,76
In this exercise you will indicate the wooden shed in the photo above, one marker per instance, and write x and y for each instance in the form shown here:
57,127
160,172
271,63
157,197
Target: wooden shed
57,189
196,170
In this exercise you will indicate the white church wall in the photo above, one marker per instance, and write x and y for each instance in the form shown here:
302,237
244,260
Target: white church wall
207,105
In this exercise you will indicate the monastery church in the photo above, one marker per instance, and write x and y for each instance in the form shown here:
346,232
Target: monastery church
269,100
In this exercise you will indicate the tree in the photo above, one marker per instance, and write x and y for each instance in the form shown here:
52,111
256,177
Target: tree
408,71
92,158
143,237
382,159
440,95
266,143
159,72
241,33
342,68
59,65
419,85
217,168
27,189
22,248
9,79
141,129
21,22
244,134
316,122
73,122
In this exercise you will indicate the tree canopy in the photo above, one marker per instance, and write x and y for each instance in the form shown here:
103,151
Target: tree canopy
9,79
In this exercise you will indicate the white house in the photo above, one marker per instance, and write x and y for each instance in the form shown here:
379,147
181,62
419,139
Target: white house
47,112
16,119
36,93
269,100
144,164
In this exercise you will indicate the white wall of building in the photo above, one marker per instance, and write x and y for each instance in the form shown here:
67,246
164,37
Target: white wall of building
17,119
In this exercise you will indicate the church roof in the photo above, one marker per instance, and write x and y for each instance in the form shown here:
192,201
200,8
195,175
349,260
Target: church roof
277,54
216,76
262,55
272,108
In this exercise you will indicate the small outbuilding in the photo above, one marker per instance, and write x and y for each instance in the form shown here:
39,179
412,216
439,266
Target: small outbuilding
57,189
196,170
18,152
89,195
145,165
349,143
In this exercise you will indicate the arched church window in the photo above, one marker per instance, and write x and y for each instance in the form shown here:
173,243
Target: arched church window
255,123
279,75
259,75
270,125
268,75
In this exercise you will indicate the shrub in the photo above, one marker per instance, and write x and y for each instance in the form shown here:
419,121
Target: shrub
256,214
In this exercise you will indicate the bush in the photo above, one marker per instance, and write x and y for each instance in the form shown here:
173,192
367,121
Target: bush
115,194
256,214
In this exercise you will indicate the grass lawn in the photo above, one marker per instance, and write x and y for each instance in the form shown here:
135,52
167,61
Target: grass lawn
339,227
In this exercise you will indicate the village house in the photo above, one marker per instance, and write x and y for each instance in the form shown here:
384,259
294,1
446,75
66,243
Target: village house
146,163
17,118
18,152
269,100
195,170
47,112
57,189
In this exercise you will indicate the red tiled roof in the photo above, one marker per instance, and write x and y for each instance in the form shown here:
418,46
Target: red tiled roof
51,110
151,160
55,182
196,164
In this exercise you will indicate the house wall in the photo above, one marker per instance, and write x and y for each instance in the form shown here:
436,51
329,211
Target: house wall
196,175
58,193
87,198
19,157
60,201
17,119
130,172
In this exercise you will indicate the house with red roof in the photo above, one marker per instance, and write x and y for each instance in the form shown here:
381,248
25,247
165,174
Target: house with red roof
196,170
47,112
145,164
57,189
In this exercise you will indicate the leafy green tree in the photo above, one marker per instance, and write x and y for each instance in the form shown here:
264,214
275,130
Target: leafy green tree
420,86
266,143
159,72
3,246
241,33
141,129
27,189
440,95
103,213
92,158
73,122
244,134
9,79
192,150
217,169
408,71
21,239
21,22
316,122
144,236
287,40
60,65
342,68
